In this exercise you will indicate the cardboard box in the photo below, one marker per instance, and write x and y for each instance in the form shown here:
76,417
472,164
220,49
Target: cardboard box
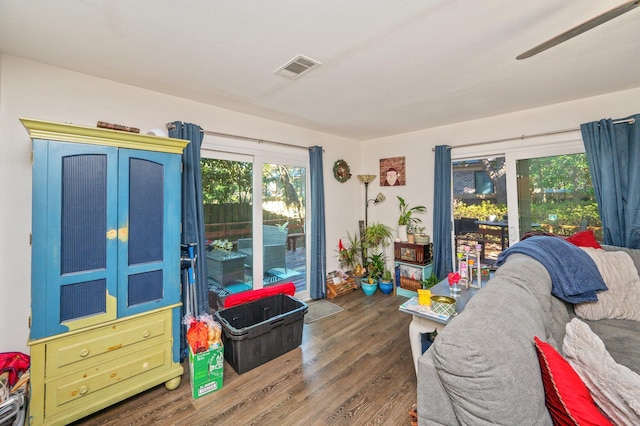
206,371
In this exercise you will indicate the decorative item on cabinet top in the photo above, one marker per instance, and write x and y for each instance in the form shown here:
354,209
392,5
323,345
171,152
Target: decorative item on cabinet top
40,129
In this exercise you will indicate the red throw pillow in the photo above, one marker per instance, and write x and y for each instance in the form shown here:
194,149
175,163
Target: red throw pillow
584,238
567,398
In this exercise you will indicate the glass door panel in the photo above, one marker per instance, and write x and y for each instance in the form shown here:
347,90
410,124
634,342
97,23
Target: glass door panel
227,188
480,205
555,195
284,189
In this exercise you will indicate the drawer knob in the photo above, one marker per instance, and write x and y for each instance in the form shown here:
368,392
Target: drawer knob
84,390
146,334
84,352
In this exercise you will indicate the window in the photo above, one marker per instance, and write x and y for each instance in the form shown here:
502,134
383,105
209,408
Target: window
542,185
255,216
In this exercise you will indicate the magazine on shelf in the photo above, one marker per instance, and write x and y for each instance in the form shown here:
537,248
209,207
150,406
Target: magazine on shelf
413,306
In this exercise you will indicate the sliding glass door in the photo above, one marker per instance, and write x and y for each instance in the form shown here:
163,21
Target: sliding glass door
227,192
555,195
543,184
284,256
480,205
255,217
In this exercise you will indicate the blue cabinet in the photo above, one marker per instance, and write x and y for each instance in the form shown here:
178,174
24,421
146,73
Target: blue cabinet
106,234
105,290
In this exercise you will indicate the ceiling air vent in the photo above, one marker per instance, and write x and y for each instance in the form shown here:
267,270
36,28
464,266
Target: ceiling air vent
297,66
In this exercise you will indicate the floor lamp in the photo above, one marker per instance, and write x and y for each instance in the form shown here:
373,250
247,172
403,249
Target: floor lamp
366,179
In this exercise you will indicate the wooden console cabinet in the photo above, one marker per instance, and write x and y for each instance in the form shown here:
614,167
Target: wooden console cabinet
417,254
105,290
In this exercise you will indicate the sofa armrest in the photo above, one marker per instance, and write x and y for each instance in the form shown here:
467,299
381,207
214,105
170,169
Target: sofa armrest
434,407
484,360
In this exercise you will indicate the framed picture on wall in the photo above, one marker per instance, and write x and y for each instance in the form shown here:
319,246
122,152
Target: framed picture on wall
392,171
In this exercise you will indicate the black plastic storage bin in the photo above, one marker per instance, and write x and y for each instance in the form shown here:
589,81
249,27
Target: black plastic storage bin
259,331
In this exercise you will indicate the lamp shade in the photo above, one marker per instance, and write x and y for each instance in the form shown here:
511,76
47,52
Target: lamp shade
366,178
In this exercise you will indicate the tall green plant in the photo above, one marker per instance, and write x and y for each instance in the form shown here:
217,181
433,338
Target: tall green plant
406,214
376,238
376,235
375,265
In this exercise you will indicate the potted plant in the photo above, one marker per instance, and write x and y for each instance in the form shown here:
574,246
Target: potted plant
349,255
422,237
385,283
430,281
374,241
406,221
424,293
224,247
375,266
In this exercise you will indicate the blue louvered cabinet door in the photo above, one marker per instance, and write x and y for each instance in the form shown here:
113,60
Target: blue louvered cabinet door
74,247
149,230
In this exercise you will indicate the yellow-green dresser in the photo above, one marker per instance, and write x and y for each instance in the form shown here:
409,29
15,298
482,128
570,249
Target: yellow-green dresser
105,291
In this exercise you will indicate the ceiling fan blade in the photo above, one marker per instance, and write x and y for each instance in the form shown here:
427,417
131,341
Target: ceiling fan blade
579,29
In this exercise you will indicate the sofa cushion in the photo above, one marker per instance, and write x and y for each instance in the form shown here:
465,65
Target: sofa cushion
622,299
567,397
584,238
614,387
621,338
634,253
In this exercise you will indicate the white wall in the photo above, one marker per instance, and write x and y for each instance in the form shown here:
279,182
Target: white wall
33,90
417,146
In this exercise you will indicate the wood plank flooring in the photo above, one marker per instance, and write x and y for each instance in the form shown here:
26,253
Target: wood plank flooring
352,368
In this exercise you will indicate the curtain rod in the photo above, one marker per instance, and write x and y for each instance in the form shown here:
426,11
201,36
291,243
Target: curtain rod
246,138
556,132
228,135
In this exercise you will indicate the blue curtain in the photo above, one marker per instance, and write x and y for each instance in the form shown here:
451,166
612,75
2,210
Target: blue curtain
317,278
442,248
613,154
192,208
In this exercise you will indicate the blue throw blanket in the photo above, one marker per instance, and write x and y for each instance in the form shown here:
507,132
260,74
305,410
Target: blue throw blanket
574,276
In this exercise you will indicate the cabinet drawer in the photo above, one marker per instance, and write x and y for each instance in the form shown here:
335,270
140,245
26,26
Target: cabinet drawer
91,385
85,348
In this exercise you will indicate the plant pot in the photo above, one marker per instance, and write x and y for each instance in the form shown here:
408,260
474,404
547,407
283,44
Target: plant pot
367,288
423,239
386,287
402,232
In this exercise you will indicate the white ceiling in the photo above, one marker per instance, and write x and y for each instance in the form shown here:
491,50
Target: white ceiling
388,66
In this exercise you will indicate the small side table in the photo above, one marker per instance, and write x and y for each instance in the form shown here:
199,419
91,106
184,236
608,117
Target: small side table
225,268
422,323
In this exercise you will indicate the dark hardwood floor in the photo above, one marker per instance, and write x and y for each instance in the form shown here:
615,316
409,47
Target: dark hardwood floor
354,367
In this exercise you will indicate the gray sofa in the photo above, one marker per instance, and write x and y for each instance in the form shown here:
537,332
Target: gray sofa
483,368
